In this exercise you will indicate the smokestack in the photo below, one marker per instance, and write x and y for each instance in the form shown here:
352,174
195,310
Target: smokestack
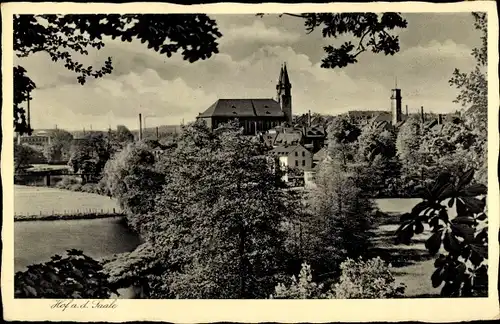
440,119
140,127
422,114
406,110
29,114
157,133
309,119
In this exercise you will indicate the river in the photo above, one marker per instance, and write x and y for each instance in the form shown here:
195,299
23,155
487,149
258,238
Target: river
37,241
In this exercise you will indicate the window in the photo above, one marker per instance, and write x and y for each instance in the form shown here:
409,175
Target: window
296,153
303,162
296,163
303,153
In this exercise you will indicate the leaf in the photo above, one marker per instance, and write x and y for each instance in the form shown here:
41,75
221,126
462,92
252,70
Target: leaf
468,220
440,185
419,228
433,243
474,205
450,202
463,230
450,243
465,179
418,208
437,278
474,190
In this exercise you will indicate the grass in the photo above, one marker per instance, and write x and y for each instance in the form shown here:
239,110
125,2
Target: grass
412,264
41,202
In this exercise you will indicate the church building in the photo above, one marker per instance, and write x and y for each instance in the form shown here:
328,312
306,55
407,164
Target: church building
255,115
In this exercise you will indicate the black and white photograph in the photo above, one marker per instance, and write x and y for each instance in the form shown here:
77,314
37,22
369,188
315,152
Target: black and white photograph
259,155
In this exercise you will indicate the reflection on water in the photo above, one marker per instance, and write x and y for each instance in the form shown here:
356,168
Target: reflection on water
37,241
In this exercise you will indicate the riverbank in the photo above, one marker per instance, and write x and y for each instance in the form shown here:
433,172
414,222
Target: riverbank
28,218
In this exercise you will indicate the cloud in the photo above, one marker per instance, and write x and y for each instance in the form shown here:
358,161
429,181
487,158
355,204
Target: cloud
257,32
119,101
248,66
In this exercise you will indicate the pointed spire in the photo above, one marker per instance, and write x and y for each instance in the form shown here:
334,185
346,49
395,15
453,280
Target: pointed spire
284,79
396,82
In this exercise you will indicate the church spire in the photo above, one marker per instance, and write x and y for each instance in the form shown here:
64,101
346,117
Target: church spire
284,76
284,93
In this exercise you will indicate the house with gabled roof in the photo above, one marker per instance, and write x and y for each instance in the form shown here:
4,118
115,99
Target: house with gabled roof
293,159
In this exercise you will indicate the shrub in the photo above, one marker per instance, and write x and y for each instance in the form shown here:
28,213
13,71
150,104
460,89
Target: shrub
360,279
67,182
74,276
301,288
76,187
371,279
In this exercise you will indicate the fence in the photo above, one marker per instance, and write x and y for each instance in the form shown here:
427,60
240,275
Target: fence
86,213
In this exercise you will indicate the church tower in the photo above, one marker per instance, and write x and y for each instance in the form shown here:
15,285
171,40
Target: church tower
284,92
396,105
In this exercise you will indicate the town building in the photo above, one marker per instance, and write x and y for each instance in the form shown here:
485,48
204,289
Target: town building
293,160
255,115
37,139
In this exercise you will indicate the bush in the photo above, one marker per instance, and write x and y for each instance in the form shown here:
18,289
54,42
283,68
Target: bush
301,288
74,276
76,187
67,182
371,279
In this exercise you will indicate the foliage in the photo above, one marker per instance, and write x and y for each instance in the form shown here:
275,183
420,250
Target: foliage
342,139
473,95
473,86
462,266
123,134
73,276
63,36
23,86
90,154
408,142
339,218
372,30
302,288
130,176
218,218
59,147
25,156
371,279
141,268
378,166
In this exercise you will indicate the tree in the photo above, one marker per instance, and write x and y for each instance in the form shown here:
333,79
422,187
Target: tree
372,31
461,234
340,216
342,137
75,275
59,147
379,170
91,153
473,95
218,218
131,177
61,36
408,142
123,134
25,155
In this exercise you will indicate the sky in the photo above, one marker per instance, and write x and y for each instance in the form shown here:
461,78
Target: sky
169,91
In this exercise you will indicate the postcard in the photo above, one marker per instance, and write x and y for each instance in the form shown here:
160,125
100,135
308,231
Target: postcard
250,163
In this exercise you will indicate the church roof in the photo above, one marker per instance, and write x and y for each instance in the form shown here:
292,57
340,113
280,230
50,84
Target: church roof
243,108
